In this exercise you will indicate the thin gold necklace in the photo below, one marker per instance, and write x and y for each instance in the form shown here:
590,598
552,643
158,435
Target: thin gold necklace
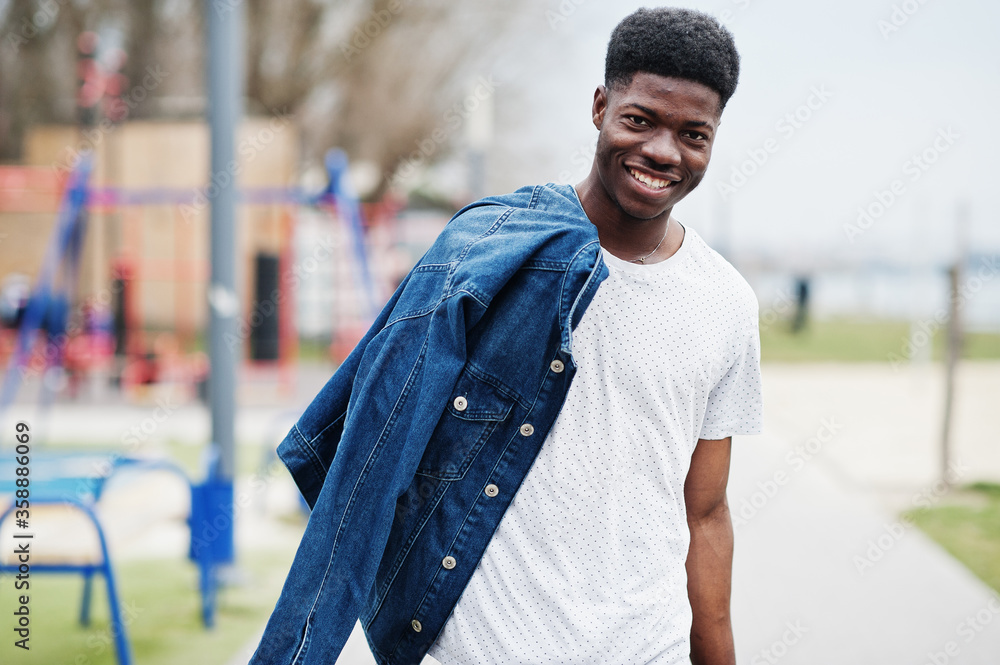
642,259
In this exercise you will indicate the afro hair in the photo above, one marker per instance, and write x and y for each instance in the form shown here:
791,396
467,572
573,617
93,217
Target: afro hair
679,43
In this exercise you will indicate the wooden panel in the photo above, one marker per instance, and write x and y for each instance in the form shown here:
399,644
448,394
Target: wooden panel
152,155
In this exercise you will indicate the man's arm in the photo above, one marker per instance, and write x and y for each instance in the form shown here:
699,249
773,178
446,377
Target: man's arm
710,558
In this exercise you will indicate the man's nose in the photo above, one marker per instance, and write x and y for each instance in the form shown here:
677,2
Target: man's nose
663,148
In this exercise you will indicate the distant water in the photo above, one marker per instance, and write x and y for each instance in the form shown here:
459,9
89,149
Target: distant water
889,293
328,293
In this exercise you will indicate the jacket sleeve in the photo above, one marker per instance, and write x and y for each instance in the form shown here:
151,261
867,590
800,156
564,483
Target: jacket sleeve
309,447
404,378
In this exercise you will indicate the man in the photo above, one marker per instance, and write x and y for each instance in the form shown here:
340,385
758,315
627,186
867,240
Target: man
525,460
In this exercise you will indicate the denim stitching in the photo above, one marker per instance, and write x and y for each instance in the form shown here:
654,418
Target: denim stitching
314,461
586,287
398,563
416,314
545,264
485,377
465,520
488,428
322,431
350,502
468,247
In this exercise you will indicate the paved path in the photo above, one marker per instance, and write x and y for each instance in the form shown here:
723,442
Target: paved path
825,572
825,575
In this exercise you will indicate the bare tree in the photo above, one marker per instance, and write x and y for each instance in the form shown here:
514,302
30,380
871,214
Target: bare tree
372,76
37,70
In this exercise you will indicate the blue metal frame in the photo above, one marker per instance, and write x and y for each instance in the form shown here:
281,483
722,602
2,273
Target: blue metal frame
63,250
118,628
60,480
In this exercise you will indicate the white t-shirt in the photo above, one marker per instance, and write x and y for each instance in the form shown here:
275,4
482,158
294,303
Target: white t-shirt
587,565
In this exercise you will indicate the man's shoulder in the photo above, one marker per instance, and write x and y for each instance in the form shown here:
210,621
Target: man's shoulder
725,278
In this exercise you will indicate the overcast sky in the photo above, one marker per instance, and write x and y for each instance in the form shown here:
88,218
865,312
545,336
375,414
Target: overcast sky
923,82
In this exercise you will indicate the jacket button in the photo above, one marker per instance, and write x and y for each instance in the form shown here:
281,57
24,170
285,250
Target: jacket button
527,429
492,490
415,625
557,366
461,404
448,562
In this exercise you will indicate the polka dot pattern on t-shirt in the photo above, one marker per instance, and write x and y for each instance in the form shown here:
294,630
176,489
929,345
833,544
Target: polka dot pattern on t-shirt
587,565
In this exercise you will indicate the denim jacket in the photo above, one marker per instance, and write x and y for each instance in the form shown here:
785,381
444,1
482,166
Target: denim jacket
412,452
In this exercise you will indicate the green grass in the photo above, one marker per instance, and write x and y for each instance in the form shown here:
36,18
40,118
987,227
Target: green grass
163,616
849,340
967,524
981,346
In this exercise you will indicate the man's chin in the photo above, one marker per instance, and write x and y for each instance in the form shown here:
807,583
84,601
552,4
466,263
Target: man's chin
642,207
646,211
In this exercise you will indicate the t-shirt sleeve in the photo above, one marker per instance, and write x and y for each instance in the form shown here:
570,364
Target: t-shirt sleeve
735,404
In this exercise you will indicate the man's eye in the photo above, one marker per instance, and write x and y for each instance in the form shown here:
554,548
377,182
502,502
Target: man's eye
696,135
637,120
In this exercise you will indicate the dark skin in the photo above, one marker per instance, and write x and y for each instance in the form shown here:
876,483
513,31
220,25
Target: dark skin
710,556
661,129
655,142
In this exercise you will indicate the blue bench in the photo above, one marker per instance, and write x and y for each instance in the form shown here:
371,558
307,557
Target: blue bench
77,481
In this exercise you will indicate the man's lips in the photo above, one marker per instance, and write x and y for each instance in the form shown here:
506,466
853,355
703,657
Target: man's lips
651,182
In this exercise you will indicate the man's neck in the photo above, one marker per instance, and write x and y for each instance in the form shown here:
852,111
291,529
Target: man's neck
630,239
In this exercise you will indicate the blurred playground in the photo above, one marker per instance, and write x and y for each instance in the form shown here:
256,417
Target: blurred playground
104,317
868,514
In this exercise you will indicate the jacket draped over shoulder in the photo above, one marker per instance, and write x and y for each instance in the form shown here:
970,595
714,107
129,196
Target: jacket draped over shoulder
413,450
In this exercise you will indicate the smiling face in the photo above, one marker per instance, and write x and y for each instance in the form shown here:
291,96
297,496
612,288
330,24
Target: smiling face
654,145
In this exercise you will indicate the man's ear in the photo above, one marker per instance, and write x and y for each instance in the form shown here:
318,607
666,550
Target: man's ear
600,105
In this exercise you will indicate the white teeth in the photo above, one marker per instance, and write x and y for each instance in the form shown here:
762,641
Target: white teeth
654,183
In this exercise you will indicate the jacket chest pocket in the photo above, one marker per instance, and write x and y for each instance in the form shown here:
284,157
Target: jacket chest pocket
474,411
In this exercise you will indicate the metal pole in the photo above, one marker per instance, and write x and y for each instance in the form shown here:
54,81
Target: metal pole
952,351
953,341
225,94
